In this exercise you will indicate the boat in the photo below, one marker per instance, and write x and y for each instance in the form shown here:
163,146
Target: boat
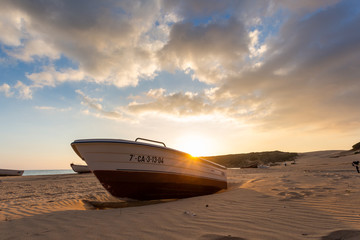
80,168
11,172
145,169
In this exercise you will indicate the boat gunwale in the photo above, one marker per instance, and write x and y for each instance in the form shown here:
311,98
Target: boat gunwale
121,141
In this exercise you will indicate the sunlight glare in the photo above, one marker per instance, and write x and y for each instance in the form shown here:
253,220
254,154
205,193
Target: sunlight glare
195,145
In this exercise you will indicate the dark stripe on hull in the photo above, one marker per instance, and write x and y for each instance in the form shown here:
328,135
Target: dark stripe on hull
149,185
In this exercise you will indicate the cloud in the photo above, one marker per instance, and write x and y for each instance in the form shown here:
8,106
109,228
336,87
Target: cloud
50,108
95,107
212,51
305,75
110,45
10,26
118,44
179,106
46,108
24,91
207,11
305,5
309,72
19,90
34,48
52,77
6,89
271,63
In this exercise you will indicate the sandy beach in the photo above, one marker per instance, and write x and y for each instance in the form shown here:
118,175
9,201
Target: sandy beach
316,198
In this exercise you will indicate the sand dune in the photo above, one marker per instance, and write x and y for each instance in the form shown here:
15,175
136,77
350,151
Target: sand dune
316,198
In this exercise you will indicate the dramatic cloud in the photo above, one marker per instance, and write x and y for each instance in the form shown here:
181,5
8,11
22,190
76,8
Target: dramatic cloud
310,70
212,51
195,104
108,40
271,63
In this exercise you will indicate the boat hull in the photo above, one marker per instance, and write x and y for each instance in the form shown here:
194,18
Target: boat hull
129,169
152,185
80,168
10,172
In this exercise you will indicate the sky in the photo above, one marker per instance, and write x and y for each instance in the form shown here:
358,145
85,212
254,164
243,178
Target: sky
206,77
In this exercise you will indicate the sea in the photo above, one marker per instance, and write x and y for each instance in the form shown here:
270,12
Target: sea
48,172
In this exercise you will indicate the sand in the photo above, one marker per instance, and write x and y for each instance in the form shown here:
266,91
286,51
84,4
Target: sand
316,198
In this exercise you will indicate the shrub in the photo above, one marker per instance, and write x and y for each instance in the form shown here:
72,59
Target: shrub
252,159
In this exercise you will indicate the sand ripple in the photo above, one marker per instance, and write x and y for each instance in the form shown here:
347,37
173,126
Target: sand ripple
31,195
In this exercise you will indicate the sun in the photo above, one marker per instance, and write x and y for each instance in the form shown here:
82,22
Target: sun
195,145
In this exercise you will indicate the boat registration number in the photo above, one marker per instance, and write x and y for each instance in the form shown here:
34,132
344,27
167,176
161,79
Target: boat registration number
146,159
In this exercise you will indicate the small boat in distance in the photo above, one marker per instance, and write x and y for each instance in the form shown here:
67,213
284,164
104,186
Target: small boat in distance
10,172
80,168
149,170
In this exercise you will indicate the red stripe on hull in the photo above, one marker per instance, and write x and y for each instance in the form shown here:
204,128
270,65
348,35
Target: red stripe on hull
150,185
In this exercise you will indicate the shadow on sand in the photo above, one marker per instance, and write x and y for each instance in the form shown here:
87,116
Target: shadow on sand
343,235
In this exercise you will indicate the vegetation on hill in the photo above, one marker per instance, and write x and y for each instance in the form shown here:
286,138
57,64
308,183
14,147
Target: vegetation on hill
356,147
246,160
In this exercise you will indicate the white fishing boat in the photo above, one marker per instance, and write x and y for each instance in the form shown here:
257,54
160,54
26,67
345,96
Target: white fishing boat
11,172
149,170
80,168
